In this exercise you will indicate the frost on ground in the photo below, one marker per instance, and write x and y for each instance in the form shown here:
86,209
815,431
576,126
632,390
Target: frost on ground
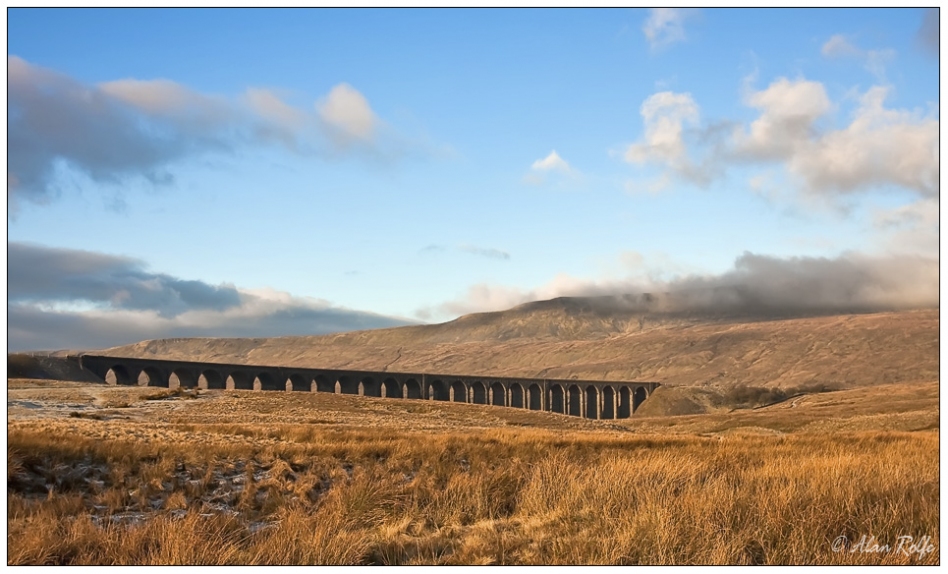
109,475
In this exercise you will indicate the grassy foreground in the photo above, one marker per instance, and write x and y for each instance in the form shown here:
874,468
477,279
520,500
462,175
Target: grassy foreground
157,489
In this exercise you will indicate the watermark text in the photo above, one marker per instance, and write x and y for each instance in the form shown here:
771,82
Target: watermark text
904,545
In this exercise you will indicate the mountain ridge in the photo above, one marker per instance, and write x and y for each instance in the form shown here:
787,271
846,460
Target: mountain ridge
611,339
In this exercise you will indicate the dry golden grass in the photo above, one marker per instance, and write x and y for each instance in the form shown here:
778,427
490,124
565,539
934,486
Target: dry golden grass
298,478
906,407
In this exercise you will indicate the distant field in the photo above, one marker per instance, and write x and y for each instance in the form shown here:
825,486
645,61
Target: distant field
103,475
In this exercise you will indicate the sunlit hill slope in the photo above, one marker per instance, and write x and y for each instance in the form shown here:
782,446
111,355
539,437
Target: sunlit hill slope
609,338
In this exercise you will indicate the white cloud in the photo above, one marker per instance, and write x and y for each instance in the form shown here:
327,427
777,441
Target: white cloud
879,147
874,61
552,167
909,229
280,121
789,110
666,115
552,162
838,46
664,27
166,98
480,298
348,111
268,104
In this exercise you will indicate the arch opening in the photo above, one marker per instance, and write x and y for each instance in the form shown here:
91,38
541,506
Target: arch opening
240,381
324,384
592,402
478,393
347,385
182,378
498,395
210,379
391,389
297,382
151,377
624,403
118,375
458,392
575,401
266,382
412,389
638,398
557,402
535,394
368,387
516,396
438,391
608,403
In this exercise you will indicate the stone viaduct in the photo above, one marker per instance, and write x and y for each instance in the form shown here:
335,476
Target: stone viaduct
588,399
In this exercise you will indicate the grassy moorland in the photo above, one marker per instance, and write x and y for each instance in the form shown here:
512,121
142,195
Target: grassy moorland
100,475
572,338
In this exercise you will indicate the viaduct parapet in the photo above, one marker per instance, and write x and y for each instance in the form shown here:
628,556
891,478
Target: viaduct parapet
587,399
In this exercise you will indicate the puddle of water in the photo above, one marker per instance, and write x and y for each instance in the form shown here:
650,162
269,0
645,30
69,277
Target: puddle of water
123,518
24,404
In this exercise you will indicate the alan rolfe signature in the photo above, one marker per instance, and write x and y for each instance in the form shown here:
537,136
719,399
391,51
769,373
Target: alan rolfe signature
904,545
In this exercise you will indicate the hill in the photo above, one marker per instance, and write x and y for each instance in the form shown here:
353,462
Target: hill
617,338
25,366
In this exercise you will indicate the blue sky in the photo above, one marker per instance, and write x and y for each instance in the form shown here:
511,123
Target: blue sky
305,168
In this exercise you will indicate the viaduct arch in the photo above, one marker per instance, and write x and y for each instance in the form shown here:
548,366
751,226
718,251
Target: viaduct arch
587,399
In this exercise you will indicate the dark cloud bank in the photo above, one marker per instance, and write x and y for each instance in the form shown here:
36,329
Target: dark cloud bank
55,120
851,283
124,130
66,298
43,275
757,285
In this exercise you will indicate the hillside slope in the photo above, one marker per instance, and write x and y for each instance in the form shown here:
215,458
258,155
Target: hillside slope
600,338
50,368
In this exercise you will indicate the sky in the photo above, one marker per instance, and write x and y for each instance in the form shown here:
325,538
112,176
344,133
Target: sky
186,172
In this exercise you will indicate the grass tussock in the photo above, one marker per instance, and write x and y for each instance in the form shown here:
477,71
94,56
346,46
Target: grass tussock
751,396
302,494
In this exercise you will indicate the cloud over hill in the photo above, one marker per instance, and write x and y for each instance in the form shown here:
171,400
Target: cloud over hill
756,283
